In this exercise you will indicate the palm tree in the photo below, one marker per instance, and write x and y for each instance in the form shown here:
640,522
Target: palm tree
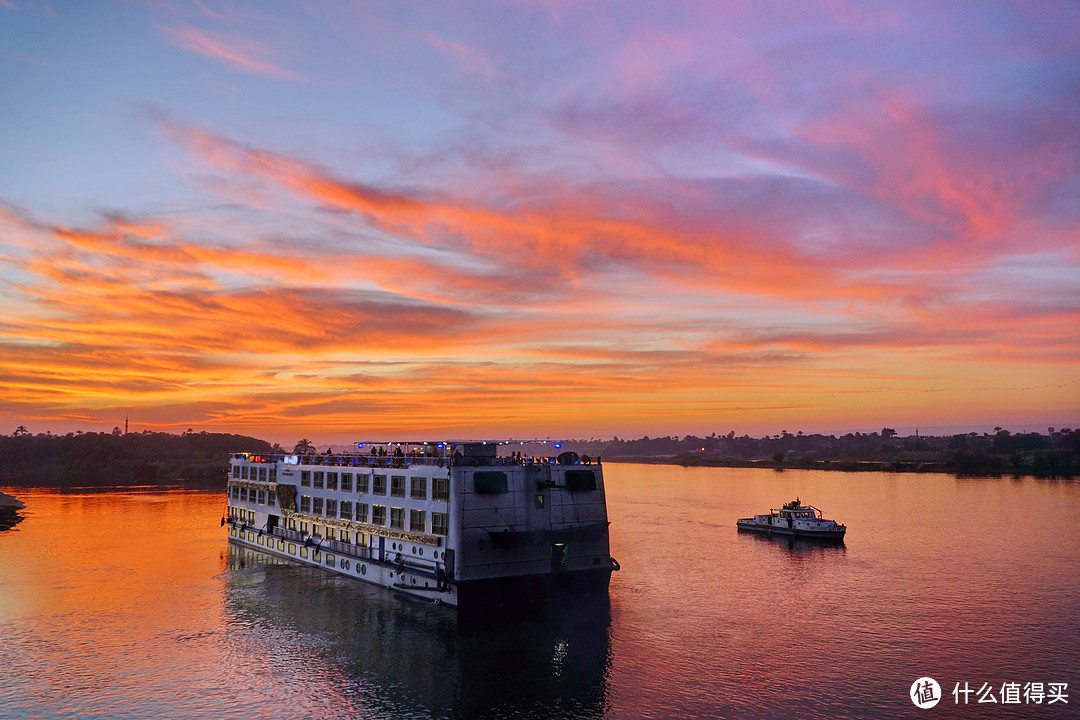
304,447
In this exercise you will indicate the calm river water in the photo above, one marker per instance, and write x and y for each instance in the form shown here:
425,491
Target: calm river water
132,605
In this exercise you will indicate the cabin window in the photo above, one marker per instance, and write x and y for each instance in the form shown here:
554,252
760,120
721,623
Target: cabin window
317,479
440,488
346,510
331,481
361,483
397,486
331,508
330,560
580,480
417,521
489,482
243,494
262,497
271,499
361,512
236,471
418,488
305,478
262,474
440,524
378,485
243,472
305,503
378,515
397,518
346,482
273,474
316,506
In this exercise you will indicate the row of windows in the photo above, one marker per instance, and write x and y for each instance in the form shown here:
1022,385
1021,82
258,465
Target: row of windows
260,474
329,559
345,510
261,497
418,486
247,516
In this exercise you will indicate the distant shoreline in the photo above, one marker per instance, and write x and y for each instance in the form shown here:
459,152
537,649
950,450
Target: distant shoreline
942,467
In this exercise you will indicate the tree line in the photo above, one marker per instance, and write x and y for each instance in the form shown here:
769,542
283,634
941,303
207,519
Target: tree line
201,459
192,458
1055,453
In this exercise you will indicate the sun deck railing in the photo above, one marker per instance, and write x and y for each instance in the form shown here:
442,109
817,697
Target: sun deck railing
400,461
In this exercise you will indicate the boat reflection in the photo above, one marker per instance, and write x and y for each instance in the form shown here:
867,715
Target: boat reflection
385,654
798,545
9,518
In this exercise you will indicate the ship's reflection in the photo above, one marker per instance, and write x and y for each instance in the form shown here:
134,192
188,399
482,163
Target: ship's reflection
798,545
390,656
9,518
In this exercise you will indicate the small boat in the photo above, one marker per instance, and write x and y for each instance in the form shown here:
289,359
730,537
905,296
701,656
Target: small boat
14,503
795,519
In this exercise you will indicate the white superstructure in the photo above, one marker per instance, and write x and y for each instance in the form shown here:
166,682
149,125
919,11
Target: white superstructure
452,522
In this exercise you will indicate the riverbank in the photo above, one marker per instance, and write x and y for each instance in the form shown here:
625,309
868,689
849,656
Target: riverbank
1060,464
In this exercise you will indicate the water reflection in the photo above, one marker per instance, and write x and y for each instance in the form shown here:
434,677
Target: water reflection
379,654
9,518
798,546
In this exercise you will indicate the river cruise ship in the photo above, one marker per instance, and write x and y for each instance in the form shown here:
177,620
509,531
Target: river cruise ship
450,522
795,519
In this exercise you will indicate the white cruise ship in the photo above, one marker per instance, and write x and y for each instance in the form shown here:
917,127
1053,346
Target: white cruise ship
448,522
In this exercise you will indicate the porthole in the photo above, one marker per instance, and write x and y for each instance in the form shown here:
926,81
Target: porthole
363,569
435,554
345,564
413,549
421,551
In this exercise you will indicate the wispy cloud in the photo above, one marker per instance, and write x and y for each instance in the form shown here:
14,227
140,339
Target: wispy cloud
229,49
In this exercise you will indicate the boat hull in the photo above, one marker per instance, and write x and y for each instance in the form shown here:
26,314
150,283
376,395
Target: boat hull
390,575
10,502
472,595
791,532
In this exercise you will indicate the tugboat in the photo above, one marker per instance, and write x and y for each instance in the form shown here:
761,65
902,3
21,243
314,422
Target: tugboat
795,519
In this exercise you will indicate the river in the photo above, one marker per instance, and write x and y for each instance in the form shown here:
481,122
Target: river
132,604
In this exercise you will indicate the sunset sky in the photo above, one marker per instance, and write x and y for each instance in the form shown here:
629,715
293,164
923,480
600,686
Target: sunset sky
346,220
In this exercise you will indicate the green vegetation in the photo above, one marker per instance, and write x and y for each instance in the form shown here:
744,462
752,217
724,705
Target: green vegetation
99,459
1054,454
200,459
